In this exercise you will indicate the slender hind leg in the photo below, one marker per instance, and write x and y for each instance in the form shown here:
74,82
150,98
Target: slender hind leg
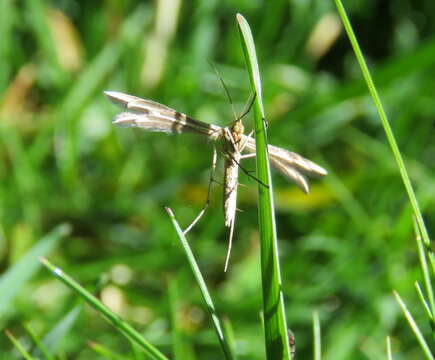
207,202
230,244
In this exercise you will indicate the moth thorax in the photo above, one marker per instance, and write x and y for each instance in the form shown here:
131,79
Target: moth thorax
237,129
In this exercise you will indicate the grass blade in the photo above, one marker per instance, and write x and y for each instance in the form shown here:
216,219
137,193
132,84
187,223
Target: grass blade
19,346
41,349
423,300
317,338
53,339
7,12
14,278
86,85
275,325
414,327
109,315
203,287
389,352
425,269
394,147
105,352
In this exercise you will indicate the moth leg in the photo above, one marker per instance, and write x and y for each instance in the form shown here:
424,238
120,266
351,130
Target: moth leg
207,202
243,144
247,156
230,243
248,107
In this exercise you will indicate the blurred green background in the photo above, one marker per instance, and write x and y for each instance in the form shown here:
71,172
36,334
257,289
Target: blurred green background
343,248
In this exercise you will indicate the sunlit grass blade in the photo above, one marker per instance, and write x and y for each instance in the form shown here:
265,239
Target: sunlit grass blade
425,269
203,287
109,315
41,349
423,301
105,352
275,325
20,347
389,352
393,145
423,344
229,333
317,337
15,277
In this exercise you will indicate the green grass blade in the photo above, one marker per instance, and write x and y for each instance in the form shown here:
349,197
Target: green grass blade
425,269
423,344
15,277
27,176
229,333
109,315
275,325
317,337
7,12
19,346
41,349
423,301
87,84
53,339
393,145
203,287
37,14
105,352
389,352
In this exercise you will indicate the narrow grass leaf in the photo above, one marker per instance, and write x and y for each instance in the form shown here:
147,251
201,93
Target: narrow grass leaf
37,14
277,346
424,267
414,327
109,315
105,352
21,349
53,339
391,140
229,333
202,286
423,301
7,17
317,337
389,352
26,175
87,84
17,275
41,349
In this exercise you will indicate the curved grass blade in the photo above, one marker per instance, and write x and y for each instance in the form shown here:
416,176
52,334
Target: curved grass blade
423,344
275,326
395,149
203,287
109,315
